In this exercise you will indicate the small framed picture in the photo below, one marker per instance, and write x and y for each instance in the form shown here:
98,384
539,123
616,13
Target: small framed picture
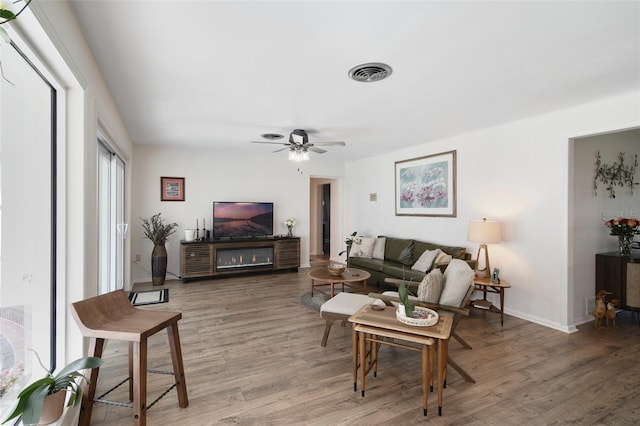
495,277
171,188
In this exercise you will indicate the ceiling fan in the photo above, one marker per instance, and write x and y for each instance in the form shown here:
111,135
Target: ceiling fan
298,144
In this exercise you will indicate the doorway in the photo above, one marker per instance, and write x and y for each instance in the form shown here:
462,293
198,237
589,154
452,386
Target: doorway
324,218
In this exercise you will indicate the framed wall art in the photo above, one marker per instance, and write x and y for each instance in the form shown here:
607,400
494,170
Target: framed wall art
426,186
171,188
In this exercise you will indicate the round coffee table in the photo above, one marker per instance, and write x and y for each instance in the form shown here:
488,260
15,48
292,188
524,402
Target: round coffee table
351,276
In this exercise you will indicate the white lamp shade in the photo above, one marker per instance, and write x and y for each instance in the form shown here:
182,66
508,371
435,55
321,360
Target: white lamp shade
484,231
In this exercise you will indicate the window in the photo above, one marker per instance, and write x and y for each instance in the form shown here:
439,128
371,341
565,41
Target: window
27,220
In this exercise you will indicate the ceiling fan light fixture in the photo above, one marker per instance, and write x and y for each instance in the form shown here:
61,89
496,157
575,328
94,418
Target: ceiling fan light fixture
370,72
298,154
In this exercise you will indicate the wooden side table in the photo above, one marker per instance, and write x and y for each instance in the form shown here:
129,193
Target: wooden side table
485,285
351,276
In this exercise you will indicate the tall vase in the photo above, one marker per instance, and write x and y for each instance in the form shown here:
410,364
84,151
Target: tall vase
624,244
290,231
158,264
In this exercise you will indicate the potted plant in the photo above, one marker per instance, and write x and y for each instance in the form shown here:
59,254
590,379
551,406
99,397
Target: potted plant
158,232
403,295
349,242
34,401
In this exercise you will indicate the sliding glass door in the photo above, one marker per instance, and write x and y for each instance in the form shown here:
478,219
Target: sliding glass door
112,229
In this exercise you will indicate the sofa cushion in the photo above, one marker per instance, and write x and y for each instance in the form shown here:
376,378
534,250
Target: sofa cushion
455,252
425,262
431,286
362,247
398,270
366,263
378,248
399,250
457,279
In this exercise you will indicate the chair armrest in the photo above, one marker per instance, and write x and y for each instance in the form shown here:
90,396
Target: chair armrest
412,286
388,299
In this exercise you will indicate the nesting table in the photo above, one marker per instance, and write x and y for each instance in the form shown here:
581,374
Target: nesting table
382,327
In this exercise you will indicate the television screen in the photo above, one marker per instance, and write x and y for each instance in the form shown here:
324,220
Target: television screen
238,220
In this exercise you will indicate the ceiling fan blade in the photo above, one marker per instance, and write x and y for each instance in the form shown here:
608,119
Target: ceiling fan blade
275,143
340,143
318,150
281,149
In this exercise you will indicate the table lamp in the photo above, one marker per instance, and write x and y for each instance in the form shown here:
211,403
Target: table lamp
484,232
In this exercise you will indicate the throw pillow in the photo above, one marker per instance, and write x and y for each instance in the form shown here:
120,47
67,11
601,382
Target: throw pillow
443,258
457,279
425,262
431,286
378,248
362,247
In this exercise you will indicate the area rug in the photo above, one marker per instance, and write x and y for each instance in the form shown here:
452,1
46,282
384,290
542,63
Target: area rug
313,302
149,297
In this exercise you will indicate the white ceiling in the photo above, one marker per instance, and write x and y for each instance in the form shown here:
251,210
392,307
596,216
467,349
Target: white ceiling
220,73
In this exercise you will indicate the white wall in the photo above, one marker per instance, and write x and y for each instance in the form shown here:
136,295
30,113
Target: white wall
214,176
87,102
516,173
591,210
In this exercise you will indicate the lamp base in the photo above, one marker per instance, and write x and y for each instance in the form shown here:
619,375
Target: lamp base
484,272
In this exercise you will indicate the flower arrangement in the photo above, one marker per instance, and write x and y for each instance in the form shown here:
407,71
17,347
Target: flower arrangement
623,226
290,223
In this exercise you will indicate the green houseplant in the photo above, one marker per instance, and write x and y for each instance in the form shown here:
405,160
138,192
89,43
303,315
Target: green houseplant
403,295
158,232
32,398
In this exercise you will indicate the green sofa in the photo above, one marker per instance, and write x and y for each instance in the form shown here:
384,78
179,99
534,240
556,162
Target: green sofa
399,256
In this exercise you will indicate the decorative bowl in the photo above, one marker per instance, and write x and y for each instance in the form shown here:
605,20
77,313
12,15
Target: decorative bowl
428,317
336,268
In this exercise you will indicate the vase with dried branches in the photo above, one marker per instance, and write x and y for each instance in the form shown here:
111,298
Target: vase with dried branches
158,232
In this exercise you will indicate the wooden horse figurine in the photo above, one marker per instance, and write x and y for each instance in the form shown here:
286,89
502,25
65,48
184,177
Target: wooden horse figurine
601,308
611,312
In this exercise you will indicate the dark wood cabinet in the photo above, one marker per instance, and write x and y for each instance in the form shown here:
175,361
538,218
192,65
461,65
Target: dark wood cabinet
213,258
619,275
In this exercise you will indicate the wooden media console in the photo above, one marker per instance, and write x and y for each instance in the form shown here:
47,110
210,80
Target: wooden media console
214,258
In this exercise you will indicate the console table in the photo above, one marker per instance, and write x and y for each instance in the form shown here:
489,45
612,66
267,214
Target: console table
214,258
485,285
620,275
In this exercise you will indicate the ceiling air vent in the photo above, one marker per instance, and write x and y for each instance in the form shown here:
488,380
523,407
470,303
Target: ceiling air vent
368,73
272,136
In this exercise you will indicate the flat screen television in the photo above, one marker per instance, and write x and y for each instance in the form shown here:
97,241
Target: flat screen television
242,220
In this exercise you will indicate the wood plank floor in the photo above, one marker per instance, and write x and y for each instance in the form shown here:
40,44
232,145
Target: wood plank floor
252,356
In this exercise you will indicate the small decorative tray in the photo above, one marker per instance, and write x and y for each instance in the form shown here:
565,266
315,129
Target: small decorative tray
430,317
